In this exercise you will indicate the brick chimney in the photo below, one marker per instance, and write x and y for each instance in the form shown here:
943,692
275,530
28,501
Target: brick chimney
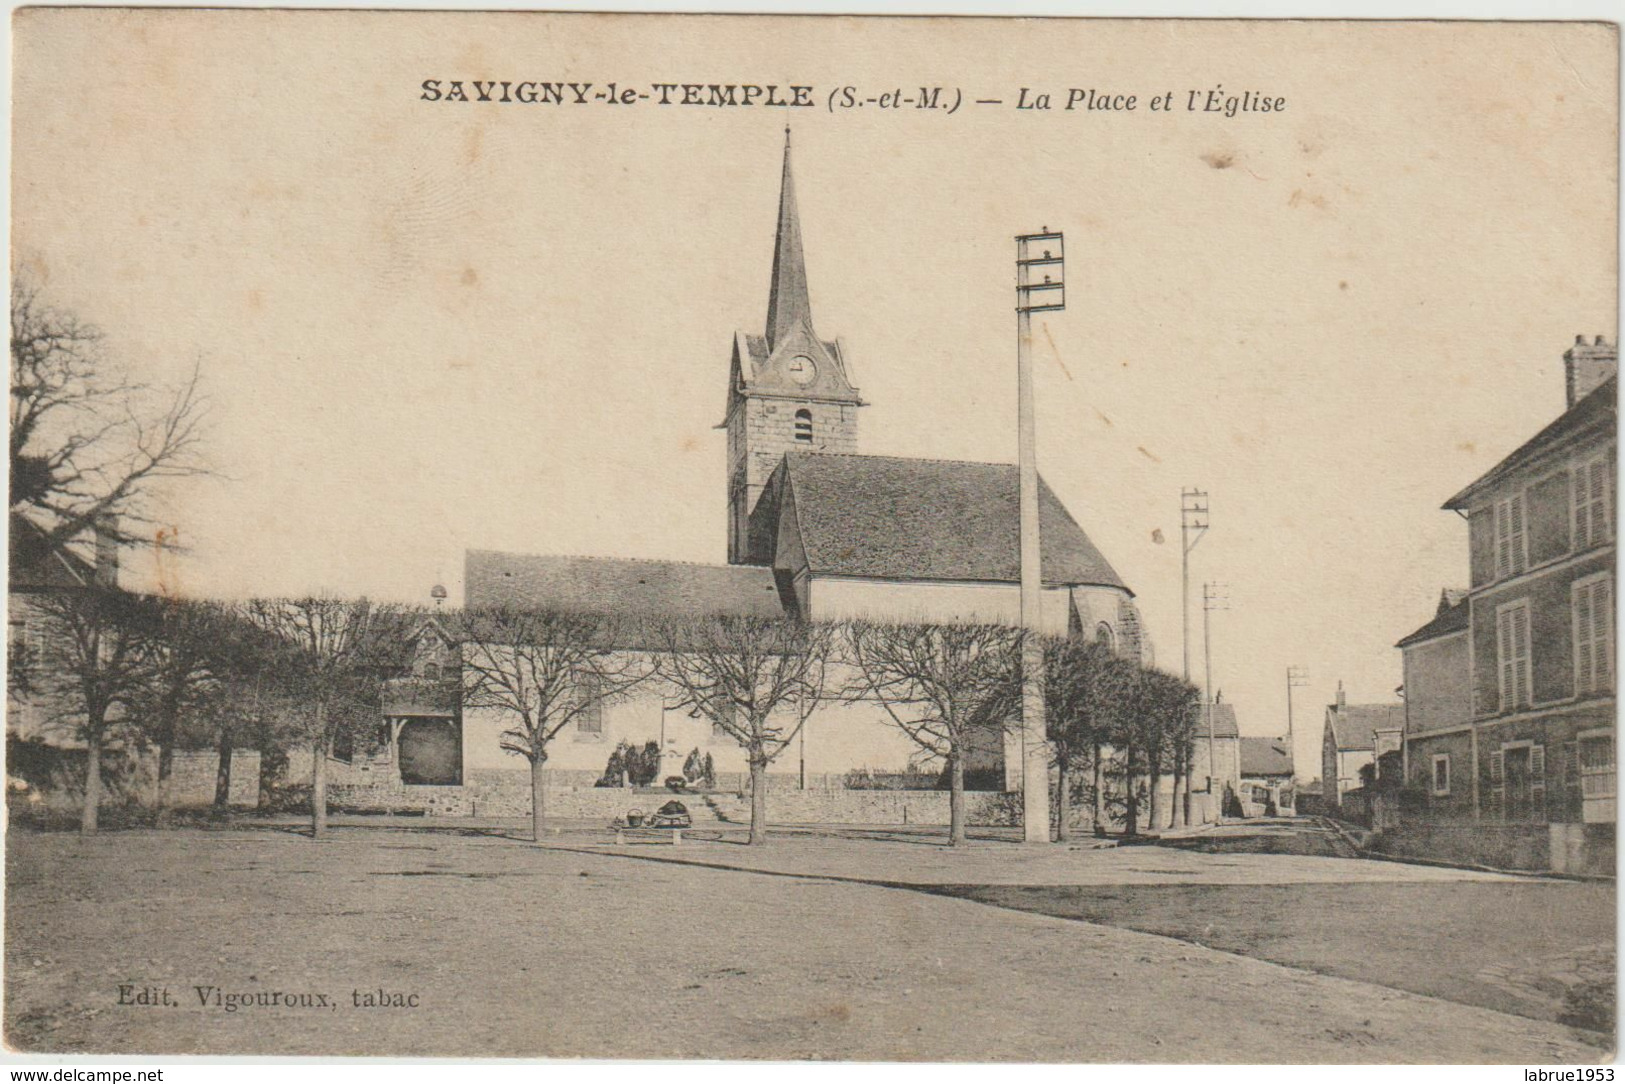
1342,700
106,529
1586,365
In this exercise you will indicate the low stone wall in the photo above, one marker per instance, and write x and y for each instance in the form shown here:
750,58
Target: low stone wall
1499,846
499,793
1587,849
928,807
192,779
485,793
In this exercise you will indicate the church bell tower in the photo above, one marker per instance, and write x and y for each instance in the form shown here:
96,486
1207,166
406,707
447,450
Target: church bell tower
788,390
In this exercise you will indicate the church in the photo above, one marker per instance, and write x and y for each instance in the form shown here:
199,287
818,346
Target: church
817,530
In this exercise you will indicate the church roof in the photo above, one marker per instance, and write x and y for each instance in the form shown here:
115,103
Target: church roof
618,586
883,517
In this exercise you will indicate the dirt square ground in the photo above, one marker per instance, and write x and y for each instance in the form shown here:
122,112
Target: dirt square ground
382,942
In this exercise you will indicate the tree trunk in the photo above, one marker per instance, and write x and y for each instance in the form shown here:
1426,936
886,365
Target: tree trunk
956,800
758,801
538,766
1180,782
1063,827
1154,817
318,789
93,784
1131,826
166,768
1190,781
1100,793
222,773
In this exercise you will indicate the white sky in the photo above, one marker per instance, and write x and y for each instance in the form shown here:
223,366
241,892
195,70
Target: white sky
432,327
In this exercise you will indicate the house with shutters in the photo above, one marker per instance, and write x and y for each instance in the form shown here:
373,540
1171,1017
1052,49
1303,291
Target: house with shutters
1511,689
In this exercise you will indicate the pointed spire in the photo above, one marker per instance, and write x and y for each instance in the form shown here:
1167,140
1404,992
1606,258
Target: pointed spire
787,303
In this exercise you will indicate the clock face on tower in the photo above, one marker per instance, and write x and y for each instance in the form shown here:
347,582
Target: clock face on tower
802,370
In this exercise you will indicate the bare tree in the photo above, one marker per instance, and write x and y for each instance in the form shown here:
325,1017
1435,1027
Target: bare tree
1168,706
334,649
185,663
96,664
945,686
545,669
1084,682
87,444
756,679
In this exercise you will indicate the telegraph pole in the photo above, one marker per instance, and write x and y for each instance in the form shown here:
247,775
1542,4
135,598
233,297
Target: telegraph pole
1212,599
1296,678
1193,521
1039,288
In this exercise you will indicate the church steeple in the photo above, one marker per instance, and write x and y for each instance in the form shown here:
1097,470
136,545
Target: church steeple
787,304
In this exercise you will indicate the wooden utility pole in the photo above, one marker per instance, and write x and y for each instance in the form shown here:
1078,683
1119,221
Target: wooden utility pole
1039,288
1211,600
1296,678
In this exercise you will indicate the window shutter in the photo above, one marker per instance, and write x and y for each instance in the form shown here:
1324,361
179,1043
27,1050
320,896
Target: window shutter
1582,509
1537,782
1503,540
1497,767
1520,657
1602,633
1585,647
1600,519
1503,645
1516,514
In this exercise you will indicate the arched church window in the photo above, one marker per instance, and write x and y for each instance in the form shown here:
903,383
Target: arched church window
804,426
1105,636
431,671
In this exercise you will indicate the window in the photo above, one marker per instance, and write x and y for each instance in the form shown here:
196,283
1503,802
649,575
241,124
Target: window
1597,778
590,705
1512,653
1591,493
804,426
1104,636
431,671
1593,605
1509,537
1441,774
1518,781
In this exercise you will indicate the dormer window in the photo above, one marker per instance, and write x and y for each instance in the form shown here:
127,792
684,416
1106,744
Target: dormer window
804,427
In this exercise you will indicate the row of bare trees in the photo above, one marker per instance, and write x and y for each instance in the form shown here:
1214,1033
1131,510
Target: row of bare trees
952,689
110,667
306,673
